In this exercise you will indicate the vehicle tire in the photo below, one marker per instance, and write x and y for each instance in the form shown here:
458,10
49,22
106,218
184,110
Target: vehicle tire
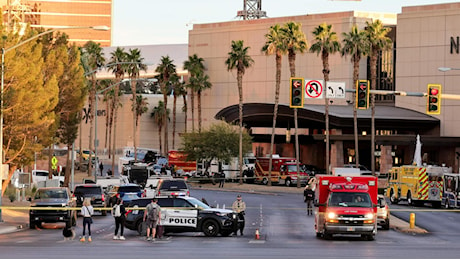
264,181
318,235
210,228
32,224
368,237
393,198
446,205
226,233
327,236
104,212
409,199
288,182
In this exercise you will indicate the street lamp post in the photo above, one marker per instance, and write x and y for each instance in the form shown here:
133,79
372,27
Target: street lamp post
4,51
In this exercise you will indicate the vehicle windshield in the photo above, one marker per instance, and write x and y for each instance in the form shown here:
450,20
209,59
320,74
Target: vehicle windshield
293,168
249,160
129,189
350,199
198,203
87,190
50,194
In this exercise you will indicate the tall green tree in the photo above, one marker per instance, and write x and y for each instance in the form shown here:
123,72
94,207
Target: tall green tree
239,59
378,40
158,115
325,42
23,120
166,70
296,42
193,65
274,44
92,58
117,64
200,82
354,43
136,64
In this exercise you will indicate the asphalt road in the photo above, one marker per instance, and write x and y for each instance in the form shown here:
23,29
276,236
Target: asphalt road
286,232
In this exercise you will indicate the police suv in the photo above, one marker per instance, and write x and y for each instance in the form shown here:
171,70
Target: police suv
184,214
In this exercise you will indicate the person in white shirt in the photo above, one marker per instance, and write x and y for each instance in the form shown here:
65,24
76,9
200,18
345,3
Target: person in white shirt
87,212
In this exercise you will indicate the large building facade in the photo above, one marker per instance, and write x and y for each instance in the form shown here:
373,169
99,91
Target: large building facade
425,38
63,13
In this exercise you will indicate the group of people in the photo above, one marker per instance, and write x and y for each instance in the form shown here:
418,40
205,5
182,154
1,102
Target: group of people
118,212
152,216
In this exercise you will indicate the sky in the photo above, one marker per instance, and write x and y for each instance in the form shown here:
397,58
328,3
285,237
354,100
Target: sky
151,22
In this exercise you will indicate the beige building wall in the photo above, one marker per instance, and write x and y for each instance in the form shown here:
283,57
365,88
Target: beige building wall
212,42
423,45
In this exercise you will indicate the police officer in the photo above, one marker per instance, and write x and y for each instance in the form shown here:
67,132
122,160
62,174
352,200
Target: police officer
239,206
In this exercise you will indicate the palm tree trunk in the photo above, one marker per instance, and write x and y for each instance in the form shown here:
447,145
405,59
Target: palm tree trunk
107,121
275,113
184,98
373,64
159,136
112,104
325,59
133,89
174,122
115,113
355,112
192,99
92,113
165,119
240,110
199,110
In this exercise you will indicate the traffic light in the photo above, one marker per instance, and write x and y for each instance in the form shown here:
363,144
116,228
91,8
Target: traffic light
433,106
362,94
296,92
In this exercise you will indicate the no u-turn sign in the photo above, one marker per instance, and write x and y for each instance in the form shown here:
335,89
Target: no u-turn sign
314,89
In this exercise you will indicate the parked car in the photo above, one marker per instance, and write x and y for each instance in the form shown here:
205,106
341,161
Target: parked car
126,192
53,197
93,191
184,214
175,187
312,170
383,213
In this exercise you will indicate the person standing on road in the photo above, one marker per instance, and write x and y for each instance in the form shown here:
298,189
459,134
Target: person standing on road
309,195
239,206
87,211
101,167
118,212
152,215
222,179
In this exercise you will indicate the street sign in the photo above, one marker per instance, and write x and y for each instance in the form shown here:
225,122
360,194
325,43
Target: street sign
314,89
335,89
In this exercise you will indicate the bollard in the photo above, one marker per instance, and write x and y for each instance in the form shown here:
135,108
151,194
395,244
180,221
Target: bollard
412,220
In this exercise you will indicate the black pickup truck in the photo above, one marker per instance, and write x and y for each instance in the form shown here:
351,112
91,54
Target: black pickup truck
52,204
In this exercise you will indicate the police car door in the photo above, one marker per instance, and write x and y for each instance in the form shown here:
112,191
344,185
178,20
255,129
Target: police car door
182,214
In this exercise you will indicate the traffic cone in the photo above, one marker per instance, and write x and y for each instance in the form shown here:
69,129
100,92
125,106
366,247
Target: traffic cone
257,236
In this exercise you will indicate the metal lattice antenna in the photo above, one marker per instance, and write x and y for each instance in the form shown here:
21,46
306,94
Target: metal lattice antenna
252,10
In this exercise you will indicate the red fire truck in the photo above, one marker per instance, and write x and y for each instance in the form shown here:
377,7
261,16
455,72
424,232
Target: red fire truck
346,205
284,171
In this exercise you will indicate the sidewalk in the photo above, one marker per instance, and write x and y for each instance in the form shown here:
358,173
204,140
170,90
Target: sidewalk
18,219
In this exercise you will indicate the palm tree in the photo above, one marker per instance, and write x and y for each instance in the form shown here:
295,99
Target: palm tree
182,91
296,42
275,44
178,90
239,59
119,69
378,40
201,82
92,58
140,108
194,64
158,115
166,69
133,68
325,42
354,44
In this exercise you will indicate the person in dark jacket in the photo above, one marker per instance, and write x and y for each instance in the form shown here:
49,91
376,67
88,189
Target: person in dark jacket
118,212
309,195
